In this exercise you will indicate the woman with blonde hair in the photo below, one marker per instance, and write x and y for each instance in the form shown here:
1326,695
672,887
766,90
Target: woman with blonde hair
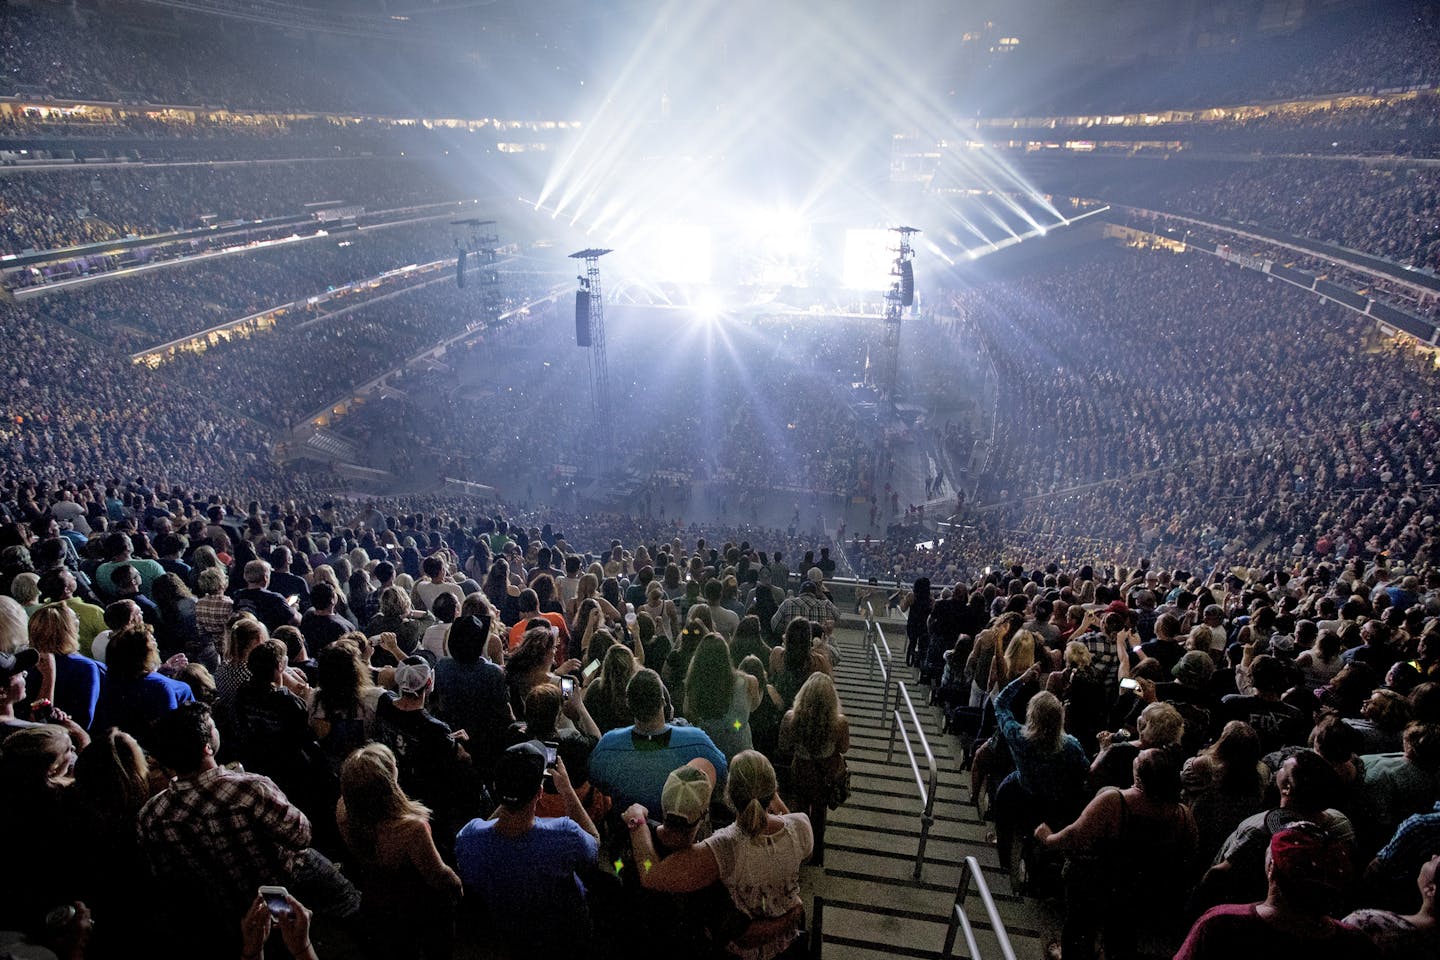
407,892
243,634
757,858
1048,782
71,680
1018,657
816,735
662,609
13,629
214,609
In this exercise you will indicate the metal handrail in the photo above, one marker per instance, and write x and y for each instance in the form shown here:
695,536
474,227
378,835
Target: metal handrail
960,920
880,636
884,679
927,791
816,933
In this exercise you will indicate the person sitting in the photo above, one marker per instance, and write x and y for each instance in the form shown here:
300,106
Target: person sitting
59,586
528,609
1404,937
215,835
74,682
1397,785
757,858
1306,871
630,764
269,607
1307,786
395,616
1127,846
525,870
407,892
434,765
136,694
269,729
321,625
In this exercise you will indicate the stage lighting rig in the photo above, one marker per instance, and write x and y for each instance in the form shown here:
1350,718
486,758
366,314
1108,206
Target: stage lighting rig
900,295
590,320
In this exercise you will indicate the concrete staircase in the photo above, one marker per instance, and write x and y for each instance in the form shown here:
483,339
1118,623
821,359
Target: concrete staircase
872,905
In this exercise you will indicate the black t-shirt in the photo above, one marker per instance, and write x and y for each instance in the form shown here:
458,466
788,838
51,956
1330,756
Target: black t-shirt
268,606
424,752
1278,724
322,629
1166,651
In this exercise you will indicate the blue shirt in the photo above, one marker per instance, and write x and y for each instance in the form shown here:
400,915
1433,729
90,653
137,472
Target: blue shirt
133,705
528,883
632,769
1045,775
1415,842
77,687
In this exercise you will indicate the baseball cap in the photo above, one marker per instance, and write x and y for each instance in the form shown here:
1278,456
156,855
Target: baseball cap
686,794
413,675
1117,606
1194,668
1308,852
518,773
18,662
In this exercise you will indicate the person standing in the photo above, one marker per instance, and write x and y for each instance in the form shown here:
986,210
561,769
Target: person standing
525,869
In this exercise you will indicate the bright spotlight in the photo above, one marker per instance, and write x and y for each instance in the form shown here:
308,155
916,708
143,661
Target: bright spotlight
868,259
708,308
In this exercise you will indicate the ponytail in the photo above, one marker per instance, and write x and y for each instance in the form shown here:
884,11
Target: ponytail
753,818
749,787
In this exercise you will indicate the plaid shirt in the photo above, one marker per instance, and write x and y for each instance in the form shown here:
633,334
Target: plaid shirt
211,615
805,605
1104,660
221,835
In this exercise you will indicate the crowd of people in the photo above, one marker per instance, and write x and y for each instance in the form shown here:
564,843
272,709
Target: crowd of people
102,55
484,722
1378,209
1252,756
1146,453
170,302
53,208
1362,49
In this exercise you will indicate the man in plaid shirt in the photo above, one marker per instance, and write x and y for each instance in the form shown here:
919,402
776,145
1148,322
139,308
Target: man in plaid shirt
808,604
215,835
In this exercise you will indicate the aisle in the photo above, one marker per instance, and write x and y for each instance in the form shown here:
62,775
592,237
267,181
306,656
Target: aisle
873,907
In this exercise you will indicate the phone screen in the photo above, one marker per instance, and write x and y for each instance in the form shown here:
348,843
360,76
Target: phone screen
551,752
590,669
277,904
567,687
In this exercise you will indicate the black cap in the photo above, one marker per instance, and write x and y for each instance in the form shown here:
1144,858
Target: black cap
18,662
519,772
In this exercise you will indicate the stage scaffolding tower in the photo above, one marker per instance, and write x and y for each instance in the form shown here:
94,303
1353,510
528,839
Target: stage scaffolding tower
599,367
900,295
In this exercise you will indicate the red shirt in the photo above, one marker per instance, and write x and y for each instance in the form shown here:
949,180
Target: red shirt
1237,930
